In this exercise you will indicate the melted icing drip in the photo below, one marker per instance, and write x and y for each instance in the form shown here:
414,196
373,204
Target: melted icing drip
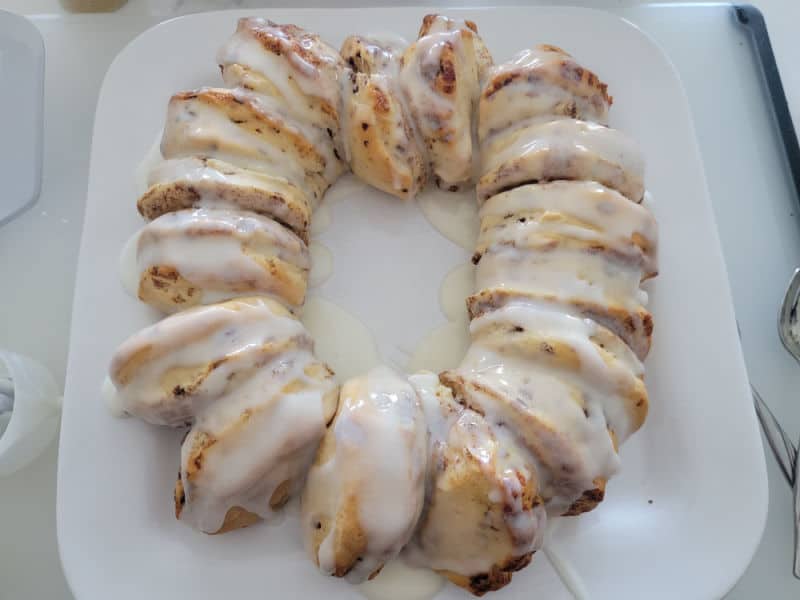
340,339
444,347
111,399
321,264
453,214
151,161
400,581
457,285
322,220
128,269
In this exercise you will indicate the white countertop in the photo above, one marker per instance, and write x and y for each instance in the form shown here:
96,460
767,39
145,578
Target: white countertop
41,246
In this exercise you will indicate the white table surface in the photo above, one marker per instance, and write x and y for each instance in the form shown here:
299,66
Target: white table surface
38,254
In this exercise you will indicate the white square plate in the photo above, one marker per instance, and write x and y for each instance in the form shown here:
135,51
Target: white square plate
698,459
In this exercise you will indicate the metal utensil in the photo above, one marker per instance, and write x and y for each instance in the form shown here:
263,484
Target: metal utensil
787,322
782,446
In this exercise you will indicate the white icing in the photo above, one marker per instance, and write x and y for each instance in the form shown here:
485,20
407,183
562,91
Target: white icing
210,179
445,346
263,436
602,215
438,406
562,145
384,52
222,252
456,286
321,264
455,545
379,458
322,219
151,160
240,332
600,379
441,348
340,338
400,581
565,272
289,70
387,428
112,400
541,90
436,113
580,402
197,171
453,214
194,127
128,269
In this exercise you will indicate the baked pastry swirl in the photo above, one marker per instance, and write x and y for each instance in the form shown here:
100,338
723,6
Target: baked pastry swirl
459,471
201,256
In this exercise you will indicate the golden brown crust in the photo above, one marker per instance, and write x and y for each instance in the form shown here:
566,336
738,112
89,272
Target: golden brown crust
465,517
382,148
163,288
496,578
588,500
350,540
444,126
537,435
369,57
433,22
236,517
